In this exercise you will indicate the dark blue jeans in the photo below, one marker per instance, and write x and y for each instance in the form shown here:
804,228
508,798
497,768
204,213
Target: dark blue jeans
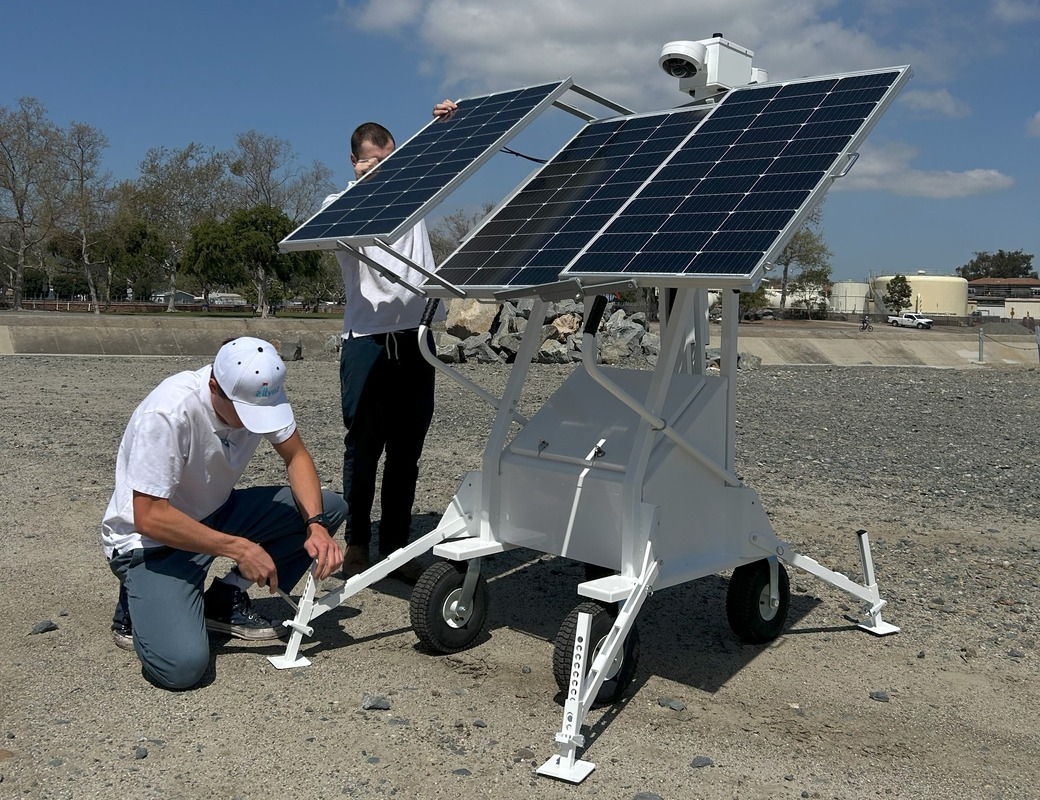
386,389
164,585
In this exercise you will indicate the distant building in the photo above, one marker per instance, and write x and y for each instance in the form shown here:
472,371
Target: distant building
179,297
982,289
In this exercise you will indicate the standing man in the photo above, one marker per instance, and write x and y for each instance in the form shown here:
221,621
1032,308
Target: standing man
386,386
175,507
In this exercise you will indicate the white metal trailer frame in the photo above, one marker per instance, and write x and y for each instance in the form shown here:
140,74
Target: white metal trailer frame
629,470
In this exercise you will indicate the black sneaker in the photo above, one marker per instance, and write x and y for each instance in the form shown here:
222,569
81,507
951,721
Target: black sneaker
122,632
229,610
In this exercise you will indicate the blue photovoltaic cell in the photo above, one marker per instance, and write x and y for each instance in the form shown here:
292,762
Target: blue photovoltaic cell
385,198
728,193
548,222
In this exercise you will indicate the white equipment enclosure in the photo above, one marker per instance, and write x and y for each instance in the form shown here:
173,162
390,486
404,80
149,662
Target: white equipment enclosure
629,471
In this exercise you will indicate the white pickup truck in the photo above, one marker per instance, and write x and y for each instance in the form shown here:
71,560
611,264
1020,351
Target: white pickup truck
909,319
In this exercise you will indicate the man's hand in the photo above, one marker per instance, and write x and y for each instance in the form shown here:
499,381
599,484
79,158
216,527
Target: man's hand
443,110
324,550
256,565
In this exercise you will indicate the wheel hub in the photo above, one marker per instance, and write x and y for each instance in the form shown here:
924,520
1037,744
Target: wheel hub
455,614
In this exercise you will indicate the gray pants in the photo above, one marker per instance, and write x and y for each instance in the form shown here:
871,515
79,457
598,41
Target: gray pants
164,585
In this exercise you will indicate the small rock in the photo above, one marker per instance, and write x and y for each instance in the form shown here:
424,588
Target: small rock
375,702
56,762
524,754
141,753
479,723
675,705
880,696
702,761
465,773
647,796
1016,654
525,670
46,626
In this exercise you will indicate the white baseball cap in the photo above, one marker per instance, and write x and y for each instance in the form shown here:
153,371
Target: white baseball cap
252,375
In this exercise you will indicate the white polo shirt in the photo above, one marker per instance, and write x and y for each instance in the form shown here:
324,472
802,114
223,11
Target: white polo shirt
176,447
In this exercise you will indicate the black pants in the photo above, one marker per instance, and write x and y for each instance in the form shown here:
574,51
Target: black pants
386,389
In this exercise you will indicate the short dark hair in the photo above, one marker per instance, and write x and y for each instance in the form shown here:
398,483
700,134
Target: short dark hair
371,132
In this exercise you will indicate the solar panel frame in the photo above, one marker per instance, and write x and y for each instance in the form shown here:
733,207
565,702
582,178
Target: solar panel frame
845,117
399,208
781,186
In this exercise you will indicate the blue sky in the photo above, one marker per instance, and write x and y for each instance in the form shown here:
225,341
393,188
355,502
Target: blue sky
952,168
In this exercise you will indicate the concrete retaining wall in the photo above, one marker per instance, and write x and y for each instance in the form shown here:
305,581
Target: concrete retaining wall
39,333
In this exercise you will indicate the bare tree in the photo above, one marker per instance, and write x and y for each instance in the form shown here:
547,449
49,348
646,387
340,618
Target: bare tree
806,249
177,190
265,173
89,196
31,184
452,229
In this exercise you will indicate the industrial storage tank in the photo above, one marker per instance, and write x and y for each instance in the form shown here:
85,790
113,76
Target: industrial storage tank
849,297
934,295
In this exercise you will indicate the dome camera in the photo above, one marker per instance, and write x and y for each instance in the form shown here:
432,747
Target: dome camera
683,59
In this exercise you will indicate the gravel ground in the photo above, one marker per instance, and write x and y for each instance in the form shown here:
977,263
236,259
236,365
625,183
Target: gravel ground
938,465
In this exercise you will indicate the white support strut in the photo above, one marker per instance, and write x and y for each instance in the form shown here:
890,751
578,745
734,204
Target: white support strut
584,686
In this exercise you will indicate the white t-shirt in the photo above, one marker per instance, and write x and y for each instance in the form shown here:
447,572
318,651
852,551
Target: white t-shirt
176,447
376,305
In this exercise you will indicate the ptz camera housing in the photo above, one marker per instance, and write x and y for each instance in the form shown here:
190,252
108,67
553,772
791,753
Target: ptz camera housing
709,66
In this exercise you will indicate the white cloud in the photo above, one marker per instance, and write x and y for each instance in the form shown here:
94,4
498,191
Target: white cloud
890,169
611,46
1014,12
1033,126
936,103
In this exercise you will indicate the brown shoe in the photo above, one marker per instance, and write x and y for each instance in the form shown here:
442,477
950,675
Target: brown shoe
409,572
355,560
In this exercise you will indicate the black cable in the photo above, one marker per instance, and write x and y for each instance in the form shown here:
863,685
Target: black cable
521,155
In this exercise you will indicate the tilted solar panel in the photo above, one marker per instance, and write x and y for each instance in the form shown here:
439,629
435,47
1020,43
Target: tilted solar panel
731,195
391,199
549,220
678,193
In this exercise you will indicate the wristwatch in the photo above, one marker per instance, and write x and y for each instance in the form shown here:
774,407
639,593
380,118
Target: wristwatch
321,519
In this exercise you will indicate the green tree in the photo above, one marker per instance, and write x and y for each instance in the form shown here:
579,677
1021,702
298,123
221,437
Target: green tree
752,301
1001,264
31,185
806,250
36,284
898,294
255,234
210,257
809,288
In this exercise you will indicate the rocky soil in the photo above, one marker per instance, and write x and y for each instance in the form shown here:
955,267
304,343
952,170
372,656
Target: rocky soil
940,466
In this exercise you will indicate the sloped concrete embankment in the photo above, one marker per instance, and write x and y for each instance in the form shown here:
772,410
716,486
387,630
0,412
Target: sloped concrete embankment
892,349
43,333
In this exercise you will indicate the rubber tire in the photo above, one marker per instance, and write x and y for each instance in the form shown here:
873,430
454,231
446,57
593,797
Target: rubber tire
614,686
894,324
430,614
747,603
870,329
920,326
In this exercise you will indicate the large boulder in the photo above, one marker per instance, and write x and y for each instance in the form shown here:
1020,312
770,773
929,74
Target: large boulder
447,347
621,342
468,318
553,352
566,325
478,349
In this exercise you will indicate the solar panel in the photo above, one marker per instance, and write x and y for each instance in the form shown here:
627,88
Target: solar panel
677,193
545,225
419,173
727,199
